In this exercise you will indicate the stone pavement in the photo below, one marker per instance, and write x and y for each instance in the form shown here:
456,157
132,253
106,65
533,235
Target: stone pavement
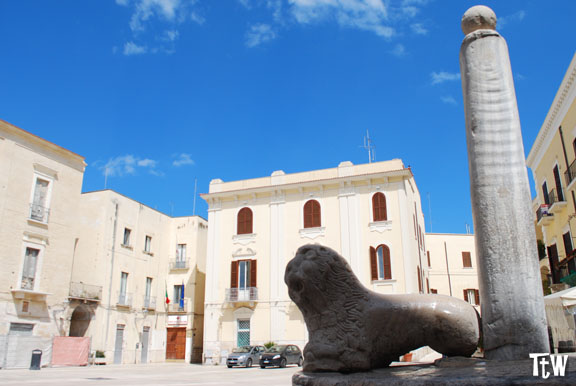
149,374
451,371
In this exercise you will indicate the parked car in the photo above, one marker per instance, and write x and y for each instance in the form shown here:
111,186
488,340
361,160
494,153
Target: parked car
244,356
282,355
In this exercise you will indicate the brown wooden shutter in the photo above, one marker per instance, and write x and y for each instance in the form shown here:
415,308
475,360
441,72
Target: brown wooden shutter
477,296
234,275
312,217
466,260
427,285
466,295
308,215
373,264
245,221
253,272
386,263
379,207
433,291
428,256
419,279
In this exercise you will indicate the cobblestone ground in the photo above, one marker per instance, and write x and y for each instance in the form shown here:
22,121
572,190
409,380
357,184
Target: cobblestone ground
150,374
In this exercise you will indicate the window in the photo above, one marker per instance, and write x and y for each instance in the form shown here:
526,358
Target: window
419,279
40,200
380,266
428,256
559,192
147,244
472,296
379,207
148,292
466,260
433,291
122,298
127,233
179,296
243,280
21,329
244,221
29,268
567,243
312,214
545,193
427,285
243,336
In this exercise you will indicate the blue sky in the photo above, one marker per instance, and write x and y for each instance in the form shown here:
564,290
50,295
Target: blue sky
166,92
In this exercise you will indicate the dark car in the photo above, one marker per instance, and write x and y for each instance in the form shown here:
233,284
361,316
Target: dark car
244,356
281,356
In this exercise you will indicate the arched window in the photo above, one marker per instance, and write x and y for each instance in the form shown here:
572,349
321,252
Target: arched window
245,221
379,207
312,214
380,266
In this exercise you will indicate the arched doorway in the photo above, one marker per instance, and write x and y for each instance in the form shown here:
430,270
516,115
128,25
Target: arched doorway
80,320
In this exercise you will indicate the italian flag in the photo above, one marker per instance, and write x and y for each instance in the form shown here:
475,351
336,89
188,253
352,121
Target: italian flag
167,298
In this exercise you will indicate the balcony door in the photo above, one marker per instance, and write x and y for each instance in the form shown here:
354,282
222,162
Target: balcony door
244,280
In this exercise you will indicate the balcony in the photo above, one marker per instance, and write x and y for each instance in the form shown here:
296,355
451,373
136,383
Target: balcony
176,307
543,217
39,213
249,294
570,175
557,201
176,264
85,292
124,300
149,303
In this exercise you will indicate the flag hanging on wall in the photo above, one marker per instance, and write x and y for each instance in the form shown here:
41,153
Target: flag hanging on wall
182,296
167,298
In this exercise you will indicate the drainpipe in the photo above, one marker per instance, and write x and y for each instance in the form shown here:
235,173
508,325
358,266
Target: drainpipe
447,268
112,252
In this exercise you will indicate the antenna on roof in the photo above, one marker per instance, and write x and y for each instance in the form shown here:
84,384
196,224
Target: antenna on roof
369,145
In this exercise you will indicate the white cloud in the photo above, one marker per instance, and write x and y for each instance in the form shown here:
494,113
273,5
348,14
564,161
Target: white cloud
399,50
183,159
127,165
131,48
419,29
442,76
258,34
449,100
170,35
514,18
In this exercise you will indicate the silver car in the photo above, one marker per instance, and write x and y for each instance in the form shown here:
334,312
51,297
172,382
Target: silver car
245,356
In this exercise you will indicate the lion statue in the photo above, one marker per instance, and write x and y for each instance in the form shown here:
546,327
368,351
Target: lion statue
354,329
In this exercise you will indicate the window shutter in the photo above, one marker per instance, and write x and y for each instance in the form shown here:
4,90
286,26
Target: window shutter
253,272
427,285
428,255
386,263
419,279
465,295
466,260
373,264
245,221
312,217
433,291
234,275
379,207
477,296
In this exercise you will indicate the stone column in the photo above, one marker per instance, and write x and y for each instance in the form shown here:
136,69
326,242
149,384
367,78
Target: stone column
513,316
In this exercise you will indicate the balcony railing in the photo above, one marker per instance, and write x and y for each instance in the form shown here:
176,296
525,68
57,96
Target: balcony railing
179,264
39,213
542,212
570,173
554,196
85,291
149,302
241,294
176,307
124,299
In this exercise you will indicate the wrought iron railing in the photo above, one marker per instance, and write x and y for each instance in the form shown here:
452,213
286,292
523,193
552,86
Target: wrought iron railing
241,294
85,291
179,264
570,279
570,173
149,302
39,213
177,307
542,212
124,299
555,196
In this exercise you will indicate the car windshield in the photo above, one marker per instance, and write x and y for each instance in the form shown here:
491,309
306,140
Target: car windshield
242,349
276,349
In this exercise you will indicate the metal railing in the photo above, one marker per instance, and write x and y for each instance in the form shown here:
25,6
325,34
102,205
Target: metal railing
39,213
179,264
176,307
27,283
149,302
85,291
555,196
542,212
241,294
124,299
570,173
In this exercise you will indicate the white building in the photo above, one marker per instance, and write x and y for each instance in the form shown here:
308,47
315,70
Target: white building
371,214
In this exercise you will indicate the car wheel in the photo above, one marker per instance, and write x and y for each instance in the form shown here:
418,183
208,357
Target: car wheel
262,366
249,363
300,360
229,366
283,362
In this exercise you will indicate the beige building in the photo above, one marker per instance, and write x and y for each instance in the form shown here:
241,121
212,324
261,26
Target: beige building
128,258
451,260
553,163
40,185
371,214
